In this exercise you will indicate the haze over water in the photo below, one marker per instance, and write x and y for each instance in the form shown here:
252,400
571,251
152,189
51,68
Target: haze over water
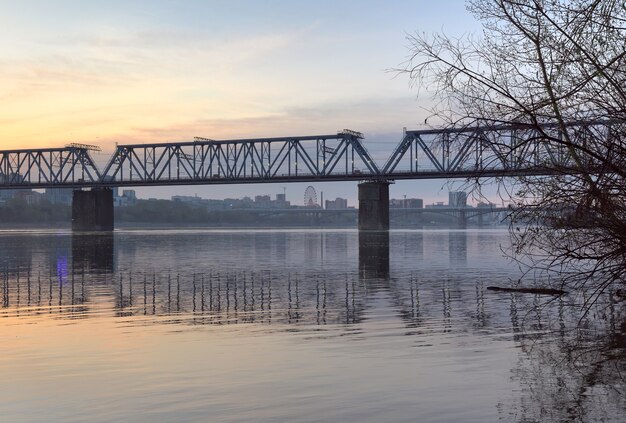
290,326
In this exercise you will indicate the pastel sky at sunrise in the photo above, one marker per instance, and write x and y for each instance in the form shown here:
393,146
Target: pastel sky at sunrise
101,72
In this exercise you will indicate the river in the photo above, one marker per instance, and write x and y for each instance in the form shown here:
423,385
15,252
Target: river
201,325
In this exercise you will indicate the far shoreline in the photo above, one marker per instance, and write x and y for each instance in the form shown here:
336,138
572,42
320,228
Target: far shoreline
199,225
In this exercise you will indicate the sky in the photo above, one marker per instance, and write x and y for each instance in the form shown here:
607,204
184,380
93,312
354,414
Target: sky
101,72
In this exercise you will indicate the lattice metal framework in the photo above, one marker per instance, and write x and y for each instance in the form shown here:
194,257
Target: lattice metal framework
70,166
496,150
500,150
322,157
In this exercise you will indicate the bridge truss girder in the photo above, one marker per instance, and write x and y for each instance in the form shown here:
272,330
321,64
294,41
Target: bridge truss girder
47,168
498,150
324,157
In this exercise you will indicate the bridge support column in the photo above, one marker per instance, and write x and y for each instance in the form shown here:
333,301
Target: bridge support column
462,219
374,206
92,210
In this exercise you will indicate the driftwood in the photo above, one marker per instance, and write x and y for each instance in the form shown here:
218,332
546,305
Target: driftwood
540,291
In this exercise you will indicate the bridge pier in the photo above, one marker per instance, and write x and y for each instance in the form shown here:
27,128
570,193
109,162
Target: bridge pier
462,219
374,206
92,210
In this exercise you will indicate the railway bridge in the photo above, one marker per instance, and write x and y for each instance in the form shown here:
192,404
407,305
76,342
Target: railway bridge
468,152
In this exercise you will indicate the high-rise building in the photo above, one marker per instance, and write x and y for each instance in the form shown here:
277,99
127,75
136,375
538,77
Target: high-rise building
8,194
281,201
413,203
128,198
59,195
262,201
406,203
338,203
457,199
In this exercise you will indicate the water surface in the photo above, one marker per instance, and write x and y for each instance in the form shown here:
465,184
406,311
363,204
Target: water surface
292,326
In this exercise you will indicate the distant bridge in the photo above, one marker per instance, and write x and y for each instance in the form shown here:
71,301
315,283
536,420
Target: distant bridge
490,151
468,212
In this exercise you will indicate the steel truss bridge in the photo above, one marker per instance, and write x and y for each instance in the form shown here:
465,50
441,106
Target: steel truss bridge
489,151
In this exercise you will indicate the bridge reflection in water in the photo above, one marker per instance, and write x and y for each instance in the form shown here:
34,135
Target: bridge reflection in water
81,273
84,275
428,285
374,255
93,252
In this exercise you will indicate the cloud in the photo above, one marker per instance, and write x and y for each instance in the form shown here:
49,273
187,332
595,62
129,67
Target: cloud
117,59
390,113
380,119
115,85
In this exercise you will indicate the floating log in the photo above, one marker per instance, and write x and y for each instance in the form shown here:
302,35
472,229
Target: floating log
540,291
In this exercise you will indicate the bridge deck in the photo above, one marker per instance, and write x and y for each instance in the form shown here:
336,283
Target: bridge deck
474,152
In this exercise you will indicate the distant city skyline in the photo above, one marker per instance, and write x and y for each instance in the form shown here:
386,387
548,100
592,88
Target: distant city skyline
294,192
297,197
127,196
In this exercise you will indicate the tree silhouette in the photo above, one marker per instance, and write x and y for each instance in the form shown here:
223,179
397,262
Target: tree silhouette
556,68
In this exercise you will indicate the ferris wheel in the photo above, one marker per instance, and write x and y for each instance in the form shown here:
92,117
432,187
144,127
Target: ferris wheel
310,197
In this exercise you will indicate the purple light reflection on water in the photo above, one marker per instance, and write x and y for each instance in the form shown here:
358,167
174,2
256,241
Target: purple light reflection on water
62,273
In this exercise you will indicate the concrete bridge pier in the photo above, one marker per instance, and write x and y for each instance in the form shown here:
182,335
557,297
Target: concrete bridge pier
92,210
462,219
374,206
